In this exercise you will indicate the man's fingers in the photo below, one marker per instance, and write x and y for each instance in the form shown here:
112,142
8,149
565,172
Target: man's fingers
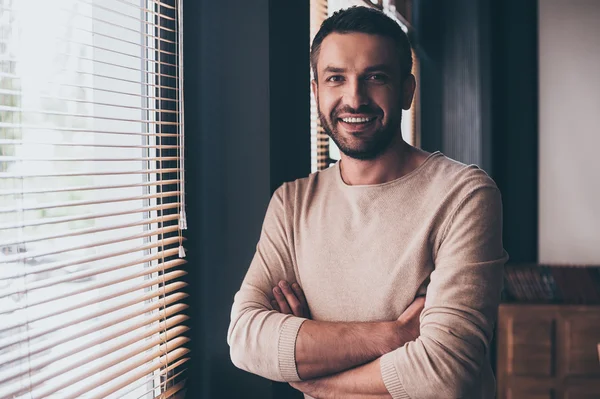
415,308
281,301
292,300
275,306
299,294
412,314
417,305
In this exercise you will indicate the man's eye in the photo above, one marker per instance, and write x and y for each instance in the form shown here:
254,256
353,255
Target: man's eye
334,78
376,77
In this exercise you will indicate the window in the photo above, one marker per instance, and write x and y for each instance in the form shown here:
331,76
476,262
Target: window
91,199
324,152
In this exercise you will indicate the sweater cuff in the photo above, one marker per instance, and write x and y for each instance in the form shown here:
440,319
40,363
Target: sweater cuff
389,374
286,349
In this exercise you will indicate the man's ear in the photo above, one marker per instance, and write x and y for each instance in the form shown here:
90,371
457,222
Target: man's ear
314,87
408,91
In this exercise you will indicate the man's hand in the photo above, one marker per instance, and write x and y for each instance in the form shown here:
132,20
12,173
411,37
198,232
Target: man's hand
358,383
365,380
290,299
367,340
409,325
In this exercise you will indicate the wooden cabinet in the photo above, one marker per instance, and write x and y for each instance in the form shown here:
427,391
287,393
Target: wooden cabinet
548,352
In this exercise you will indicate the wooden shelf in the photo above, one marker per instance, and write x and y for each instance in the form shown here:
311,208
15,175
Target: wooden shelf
548,351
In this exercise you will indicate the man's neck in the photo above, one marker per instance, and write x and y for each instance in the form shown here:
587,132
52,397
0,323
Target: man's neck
398,160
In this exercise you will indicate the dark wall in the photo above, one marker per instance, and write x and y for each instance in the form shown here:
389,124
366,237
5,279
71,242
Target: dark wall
515,123
240,101
451,39
289,90
227,161
479,99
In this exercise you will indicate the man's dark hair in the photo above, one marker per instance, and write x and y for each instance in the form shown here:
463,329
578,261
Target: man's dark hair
364,20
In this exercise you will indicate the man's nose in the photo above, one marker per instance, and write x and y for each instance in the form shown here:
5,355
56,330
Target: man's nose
355,95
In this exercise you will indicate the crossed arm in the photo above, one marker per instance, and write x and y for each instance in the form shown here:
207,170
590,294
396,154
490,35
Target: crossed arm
446,360
327,353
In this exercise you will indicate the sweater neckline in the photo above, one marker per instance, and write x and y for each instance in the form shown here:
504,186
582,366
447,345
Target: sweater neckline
338,175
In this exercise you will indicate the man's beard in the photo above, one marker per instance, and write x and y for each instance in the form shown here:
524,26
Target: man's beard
368,148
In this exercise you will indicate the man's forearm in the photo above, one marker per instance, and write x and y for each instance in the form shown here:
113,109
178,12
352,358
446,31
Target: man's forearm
324,348
358,383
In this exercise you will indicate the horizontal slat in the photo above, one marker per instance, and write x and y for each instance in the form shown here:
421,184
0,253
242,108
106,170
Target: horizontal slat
169,393
18,93
96,19
174,365
159,65
137,7
156,64
123,357
88,273
79,369
321,11
88,202
163,266
151,85
95,5
110,118
31,315
157,49
171,338
38,375
163,4
153,37
31,334
96,33
108,332
32,159
5,175
81,130
168,384
92,145
86,188
114,381
80,383
127,390
86,216
67,233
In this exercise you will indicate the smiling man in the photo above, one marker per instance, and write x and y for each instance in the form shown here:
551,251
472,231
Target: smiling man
333,299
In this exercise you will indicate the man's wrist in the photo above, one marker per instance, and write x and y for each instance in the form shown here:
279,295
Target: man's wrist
395,337
402,333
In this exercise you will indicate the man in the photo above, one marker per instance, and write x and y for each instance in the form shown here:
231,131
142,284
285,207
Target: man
332,300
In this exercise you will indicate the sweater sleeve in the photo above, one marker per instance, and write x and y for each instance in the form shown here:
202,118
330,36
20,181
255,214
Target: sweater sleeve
263,341
457,322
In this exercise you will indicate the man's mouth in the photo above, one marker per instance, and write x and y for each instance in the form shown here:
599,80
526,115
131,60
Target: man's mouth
358,121
357,124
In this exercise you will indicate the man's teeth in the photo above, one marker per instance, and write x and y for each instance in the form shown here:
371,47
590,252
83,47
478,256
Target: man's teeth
357,120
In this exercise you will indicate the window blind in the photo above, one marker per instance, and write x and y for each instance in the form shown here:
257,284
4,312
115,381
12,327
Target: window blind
319,140
92,199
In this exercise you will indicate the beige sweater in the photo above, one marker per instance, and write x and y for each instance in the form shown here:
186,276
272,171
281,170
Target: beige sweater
362,253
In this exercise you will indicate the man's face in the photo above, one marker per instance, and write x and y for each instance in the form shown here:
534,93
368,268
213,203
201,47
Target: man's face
359,92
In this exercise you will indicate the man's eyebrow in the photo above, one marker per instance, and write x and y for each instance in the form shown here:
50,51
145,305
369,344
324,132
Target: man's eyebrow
373,68
334,69
379,68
